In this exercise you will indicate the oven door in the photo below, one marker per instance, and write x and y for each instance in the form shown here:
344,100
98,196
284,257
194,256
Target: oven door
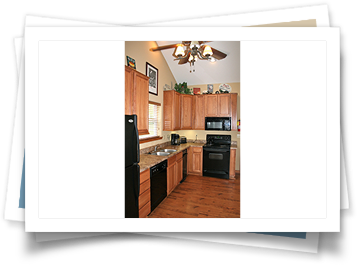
216,163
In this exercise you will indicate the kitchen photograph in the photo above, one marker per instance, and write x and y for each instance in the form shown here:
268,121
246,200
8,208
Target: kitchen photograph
182,129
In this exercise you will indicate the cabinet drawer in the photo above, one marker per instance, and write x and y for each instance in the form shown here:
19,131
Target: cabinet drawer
144,176
143,212
179,156
171,160
144,198
144,186
196,149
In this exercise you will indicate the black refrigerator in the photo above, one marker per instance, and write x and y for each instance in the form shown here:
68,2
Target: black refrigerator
132,168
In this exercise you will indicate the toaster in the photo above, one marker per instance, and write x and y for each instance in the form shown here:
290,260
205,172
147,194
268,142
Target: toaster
183,140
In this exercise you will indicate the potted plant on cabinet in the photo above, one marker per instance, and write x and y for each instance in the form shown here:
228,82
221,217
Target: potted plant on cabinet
182,88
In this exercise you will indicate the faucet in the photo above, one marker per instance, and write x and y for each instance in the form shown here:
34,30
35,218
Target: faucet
155,148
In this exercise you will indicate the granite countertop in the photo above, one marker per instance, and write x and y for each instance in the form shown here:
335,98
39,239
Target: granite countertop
147,161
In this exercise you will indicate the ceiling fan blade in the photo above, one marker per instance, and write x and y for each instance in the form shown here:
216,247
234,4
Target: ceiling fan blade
218,54
183,61
159,48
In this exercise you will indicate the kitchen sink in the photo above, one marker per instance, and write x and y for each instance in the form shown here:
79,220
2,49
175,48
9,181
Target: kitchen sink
160,153
168,150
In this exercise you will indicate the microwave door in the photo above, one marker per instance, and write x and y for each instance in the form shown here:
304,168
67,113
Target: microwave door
214,125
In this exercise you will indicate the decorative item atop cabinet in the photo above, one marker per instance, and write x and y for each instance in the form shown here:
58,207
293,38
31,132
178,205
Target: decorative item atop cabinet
183,89
131,62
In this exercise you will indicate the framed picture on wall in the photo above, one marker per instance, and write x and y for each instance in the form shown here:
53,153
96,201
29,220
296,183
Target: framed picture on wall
153,73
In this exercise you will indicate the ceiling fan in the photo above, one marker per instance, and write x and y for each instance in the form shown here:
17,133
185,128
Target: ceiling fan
191,51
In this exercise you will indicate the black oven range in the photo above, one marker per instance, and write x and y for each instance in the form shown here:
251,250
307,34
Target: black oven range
216,156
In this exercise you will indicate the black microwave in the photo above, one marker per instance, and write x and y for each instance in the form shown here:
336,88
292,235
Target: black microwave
218,123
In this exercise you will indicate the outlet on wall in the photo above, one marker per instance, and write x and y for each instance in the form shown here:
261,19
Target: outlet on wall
168,137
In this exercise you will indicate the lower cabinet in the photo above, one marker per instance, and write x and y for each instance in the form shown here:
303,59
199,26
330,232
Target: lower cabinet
144,194
232,163
174,172
195,160
171,174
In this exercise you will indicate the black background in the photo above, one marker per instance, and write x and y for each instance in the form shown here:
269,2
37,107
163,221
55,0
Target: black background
149,248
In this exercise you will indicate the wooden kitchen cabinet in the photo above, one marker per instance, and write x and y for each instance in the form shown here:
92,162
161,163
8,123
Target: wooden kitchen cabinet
195,160
171,174
172,111
129,84
186,112
234,100
179,171
211,106
137,98
232,163
144,197
199,112
224,105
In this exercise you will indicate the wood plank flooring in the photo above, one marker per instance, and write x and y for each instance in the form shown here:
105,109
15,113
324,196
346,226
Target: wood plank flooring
202,197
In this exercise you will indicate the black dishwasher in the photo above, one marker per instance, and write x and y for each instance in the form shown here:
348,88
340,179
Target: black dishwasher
158,184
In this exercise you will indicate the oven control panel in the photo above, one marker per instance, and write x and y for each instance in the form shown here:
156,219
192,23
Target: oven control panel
216,138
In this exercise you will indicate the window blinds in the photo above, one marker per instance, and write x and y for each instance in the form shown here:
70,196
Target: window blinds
154,120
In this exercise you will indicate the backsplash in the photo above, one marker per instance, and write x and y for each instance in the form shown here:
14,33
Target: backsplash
152,148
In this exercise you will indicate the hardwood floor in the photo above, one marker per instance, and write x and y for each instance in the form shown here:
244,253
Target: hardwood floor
202,197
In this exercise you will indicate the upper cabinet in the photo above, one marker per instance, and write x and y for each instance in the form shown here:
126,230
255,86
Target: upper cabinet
199,112
224,105
186,112
137,98
211,105
172,110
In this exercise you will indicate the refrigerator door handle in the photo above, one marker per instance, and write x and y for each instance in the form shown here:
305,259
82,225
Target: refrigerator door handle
137,142
137,186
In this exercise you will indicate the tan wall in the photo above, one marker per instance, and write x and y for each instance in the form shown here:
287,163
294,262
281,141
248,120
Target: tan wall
139,51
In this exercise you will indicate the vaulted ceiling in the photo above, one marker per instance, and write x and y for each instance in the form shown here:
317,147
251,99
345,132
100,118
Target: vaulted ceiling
226,70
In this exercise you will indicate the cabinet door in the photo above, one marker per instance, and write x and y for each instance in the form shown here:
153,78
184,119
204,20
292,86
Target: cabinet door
199,113
232,163
141,102
177,112
224,105
195,161
186,112
211,105
129,90
168,113
171,173
234,110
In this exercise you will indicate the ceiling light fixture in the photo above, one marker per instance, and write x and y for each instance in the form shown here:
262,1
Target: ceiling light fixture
194,52
191,51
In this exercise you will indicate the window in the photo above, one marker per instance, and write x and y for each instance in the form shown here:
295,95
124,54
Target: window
154,123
